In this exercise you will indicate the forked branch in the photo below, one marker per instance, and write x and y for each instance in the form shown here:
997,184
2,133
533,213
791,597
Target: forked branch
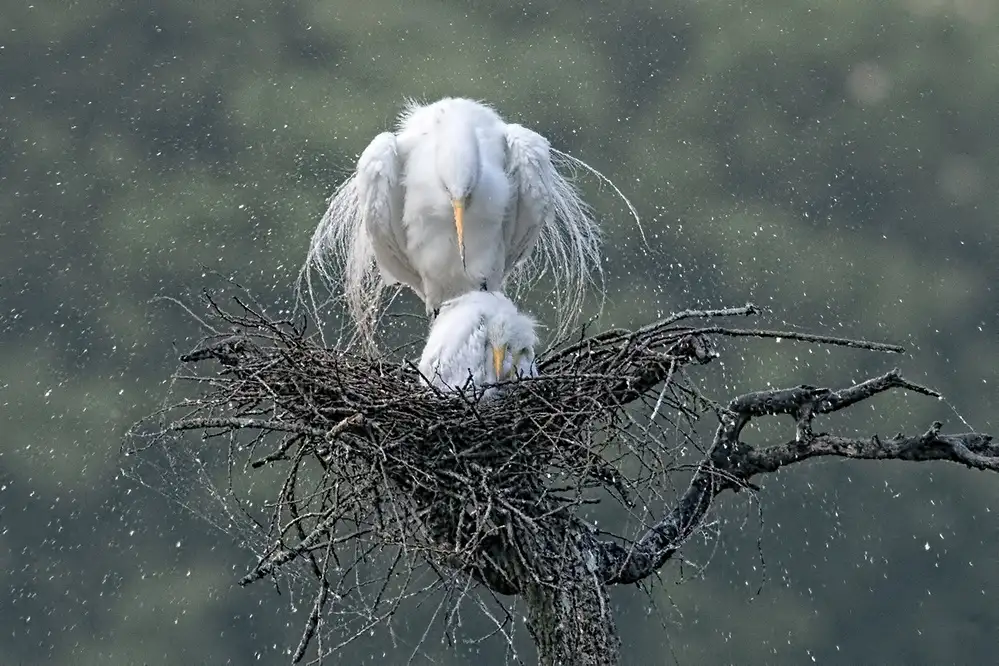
730,464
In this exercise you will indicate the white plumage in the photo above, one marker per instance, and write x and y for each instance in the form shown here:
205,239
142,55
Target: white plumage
455,200
479,337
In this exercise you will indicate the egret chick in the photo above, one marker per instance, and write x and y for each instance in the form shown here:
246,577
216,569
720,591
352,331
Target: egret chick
479,337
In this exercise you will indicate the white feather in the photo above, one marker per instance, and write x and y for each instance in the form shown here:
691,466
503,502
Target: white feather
522,218
461,344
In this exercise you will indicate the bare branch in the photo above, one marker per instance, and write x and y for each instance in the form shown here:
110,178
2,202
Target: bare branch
379,471
971,449
234,423
730,463
801,337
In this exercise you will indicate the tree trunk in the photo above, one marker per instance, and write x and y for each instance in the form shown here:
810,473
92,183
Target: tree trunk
569,614
571,623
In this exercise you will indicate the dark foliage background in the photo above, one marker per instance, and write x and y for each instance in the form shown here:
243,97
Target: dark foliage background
832,161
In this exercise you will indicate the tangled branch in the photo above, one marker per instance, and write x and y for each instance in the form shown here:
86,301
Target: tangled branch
373,461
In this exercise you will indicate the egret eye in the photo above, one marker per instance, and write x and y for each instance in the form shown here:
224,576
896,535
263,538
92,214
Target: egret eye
521,355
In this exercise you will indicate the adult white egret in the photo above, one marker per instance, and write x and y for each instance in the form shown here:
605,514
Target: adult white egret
480,337
455,200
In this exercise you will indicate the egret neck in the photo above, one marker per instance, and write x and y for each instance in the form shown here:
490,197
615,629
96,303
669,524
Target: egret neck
459,166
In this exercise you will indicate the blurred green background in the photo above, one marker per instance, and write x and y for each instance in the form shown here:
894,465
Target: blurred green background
834,161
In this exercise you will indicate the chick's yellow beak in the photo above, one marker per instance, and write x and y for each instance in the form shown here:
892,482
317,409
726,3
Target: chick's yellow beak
459,223
498,354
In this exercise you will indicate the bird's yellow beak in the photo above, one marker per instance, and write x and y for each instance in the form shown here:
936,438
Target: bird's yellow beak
459,223
498,354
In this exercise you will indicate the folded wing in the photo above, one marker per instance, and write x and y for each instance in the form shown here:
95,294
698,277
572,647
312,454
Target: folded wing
380,194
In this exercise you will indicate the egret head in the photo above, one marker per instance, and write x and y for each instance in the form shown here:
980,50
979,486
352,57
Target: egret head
511,340
458,161
479,336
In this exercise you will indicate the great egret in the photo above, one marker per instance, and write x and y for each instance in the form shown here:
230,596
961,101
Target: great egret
480,337
456,200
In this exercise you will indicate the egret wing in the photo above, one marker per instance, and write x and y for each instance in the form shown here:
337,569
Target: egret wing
380,194
529,164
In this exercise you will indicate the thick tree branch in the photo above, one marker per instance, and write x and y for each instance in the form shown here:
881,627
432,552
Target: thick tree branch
971,449
730,463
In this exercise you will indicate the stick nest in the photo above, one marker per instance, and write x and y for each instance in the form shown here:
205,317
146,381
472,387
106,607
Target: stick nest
368,452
